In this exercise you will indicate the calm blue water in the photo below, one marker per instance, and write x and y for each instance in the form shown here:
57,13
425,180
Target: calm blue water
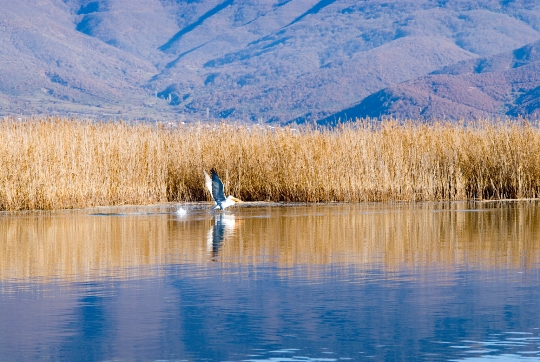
221,309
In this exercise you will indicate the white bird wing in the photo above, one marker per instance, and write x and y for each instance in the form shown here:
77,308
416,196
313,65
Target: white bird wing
208,183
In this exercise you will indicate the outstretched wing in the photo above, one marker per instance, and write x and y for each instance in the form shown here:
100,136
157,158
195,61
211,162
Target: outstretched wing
208,183
217,188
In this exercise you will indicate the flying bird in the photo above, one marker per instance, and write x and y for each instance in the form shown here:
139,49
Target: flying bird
215,186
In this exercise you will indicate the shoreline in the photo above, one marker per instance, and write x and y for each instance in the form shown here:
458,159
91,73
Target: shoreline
202,206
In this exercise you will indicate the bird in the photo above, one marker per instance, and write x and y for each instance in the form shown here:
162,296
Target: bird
215,186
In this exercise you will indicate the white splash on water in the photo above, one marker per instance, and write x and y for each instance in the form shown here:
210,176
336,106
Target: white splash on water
181,211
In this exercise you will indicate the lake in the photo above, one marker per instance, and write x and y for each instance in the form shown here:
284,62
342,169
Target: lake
455,281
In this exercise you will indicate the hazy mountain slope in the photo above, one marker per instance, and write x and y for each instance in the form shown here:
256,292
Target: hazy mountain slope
135,26
291,95
273,60
327,54
504,84
527,104
45,62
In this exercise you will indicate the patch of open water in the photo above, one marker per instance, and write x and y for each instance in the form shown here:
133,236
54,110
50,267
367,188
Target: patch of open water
426,282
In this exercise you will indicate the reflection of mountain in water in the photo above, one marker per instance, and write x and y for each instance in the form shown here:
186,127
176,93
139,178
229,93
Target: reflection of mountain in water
222,229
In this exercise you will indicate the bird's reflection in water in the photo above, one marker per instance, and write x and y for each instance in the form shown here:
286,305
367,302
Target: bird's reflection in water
222,229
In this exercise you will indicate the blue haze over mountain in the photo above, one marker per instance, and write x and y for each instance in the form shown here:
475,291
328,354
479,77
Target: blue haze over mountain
270,61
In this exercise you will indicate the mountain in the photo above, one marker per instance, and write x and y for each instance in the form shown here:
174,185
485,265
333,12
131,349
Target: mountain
504,84
527,104
269,61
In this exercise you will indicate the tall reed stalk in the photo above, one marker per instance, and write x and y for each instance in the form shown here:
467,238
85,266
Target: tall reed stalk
55,163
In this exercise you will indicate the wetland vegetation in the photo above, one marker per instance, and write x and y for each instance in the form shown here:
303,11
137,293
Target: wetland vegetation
58,163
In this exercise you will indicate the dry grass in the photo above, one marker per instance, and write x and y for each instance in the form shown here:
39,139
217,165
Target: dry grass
65,163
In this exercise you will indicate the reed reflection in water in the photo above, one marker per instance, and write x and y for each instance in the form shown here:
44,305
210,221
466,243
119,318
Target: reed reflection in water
428,281
88,245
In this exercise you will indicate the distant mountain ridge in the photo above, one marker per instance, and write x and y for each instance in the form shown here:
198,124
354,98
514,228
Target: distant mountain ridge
265,61
506,84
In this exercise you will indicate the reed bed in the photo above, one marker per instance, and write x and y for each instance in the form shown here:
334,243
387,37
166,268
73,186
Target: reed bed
58,163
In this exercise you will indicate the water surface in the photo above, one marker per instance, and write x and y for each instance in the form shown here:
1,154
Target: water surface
431,282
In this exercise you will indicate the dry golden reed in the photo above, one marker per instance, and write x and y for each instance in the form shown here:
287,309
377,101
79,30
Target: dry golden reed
57,163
